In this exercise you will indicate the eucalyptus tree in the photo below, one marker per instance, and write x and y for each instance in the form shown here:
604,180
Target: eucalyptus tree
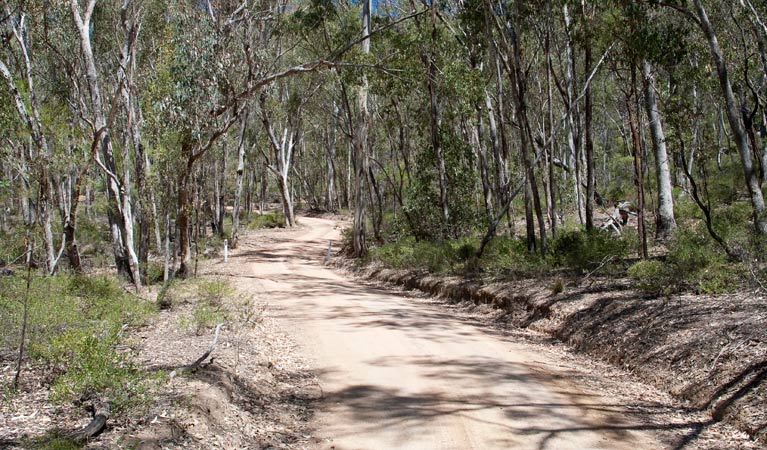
102,115
16,21
734,117
284,133
242,146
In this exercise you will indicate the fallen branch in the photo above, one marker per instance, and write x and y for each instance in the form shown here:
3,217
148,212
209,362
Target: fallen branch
202,358
101,411
604,262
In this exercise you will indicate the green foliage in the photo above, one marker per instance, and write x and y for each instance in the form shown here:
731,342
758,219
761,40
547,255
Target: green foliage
53,442
583,250
215,290
155,272
267,220
698,264
505,255
210,307
693,263
12,247
557,286
75,324
650,276
204,316
435,257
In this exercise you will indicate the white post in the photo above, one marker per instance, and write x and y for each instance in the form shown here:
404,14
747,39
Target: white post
226,250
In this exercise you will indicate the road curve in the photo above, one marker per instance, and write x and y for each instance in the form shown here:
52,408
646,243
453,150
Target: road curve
402,375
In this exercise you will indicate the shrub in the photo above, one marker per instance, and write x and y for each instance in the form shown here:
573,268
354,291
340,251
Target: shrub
267,220
210,308
12,247
651,276
215,290
586,250
74,326
557,287
504,255
435,257
693,263
154,273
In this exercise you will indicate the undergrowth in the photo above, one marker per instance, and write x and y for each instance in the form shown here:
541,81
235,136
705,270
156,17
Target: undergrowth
693,262
267,220
75,325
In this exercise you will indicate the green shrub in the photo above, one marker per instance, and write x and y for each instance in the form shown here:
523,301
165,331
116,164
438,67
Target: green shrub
557,286
504,255
155,272
651,276
693,263
74,326
210,307
214,290
12,247
267,220
586,250
397,255
53,442
435,257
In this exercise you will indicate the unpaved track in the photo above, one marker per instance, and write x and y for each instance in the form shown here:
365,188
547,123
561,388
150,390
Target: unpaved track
401,375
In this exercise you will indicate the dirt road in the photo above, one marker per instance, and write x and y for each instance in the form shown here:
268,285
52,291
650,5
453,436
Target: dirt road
399,375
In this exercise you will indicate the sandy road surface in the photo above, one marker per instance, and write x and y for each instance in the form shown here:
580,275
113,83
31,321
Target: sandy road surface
399,375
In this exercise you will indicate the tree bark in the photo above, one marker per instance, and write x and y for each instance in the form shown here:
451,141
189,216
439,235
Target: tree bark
34,125
234,237
735,120
573,134
481,151
665,223
119,205
638,167
283,150
589,141
330,168
360,145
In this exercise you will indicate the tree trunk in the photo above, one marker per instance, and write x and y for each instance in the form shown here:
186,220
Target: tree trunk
282,150
234,237
330,171
573,133
736,121
550,199
34,126
590,167
118,205
665,223
360,143
481,151
182,220
638,167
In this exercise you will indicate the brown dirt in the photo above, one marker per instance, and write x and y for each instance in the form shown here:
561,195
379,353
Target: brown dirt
709,352
396,369
399,371
255,392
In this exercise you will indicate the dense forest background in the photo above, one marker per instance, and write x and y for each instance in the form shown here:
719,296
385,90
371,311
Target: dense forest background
138,133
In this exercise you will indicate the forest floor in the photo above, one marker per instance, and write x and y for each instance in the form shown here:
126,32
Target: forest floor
321,358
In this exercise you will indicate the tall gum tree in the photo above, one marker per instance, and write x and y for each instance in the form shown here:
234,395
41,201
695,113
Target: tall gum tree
734,117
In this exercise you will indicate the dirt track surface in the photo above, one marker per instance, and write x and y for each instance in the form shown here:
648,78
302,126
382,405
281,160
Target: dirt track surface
401,375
